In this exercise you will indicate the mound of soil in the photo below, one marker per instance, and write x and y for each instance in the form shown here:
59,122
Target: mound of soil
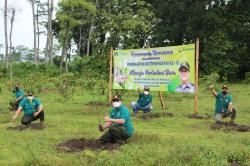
34,126
197,116
92,103
156,115
78,145
230,126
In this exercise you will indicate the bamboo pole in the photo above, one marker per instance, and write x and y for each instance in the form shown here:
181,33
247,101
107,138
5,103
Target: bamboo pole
196,75
162,102
110,73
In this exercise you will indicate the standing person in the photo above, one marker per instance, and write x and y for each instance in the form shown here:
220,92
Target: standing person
224,104
19,95
32,109
186,85
119,124
144,102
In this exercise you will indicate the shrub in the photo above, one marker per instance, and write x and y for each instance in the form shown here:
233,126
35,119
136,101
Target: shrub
247,77
65,85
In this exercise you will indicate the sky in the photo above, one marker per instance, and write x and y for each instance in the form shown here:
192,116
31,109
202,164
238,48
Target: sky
23,25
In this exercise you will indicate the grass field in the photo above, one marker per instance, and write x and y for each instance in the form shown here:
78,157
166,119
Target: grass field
164,141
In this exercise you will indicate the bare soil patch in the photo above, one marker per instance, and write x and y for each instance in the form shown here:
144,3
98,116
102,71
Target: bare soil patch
230,126
197,116
155,115
33,126
78,145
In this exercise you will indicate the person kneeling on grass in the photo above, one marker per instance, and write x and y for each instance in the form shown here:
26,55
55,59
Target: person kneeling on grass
224,104
144,102
19,95
119,124
32,109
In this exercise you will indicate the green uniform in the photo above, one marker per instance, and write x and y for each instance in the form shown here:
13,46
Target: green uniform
122,113
222,102
119,133
29,107
18,93
144,100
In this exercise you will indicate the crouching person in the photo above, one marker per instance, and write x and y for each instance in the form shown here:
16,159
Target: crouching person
224,105
144,102
32,109
19,95
119,124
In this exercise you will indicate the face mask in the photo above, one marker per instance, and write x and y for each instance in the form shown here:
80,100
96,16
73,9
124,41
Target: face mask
146,92
17,88
116,104
224,92
30,97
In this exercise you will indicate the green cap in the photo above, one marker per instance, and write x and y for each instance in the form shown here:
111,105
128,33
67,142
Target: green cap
184,64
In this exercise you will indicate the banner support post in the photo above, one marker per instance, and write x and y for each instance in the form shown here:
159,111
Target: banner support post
161,100
196,75
110,73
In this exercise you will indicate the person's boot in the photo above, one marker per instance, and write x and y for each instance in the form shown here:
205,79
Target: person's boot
42,123
135,114
232,123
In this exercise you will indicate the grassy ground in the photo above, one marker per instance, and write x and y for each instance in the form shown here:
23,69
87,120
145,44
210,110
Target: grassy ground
164,141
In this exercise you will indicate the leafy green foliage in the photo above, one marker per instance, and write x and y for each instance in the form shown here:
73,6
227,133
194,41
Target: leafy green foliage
222,26
207,80
247,77
65,85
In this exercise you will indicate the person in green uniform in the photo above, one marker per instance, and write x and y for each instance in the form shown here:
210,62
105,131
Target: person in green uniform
118,123
32,109
19,95
144,102
224,104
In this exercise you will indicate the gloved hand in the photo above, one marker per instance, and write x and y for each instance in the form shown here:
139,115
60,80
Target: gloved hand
100,128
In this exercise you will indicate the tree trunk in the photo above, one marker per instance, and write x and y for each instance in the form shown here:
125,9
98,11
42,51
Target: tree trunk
11,29
64,49
91,29
50,50
6,35
47,41
34,31
38,29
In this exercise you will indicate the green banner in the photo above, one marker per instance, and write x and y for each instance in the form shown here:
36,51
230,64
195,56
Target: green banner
161,69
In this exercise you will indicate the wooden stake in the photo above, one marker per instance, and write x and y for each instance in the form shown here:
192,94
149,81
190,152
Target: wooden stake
110,74
162,102
196,75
